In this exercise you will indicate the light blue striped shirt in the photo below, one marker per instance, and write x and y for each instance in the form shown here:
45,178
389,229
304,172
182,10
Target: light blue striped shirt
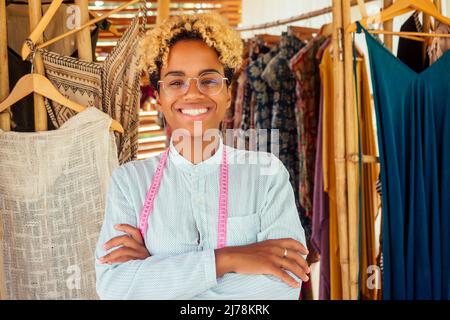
182,229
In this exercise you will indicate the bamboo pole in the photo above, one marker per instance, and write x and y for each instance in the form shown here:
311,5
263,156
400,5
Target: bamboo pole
339,146
438,4
40,113
388,26
83,37
4,118
351,147
305,16
163,11
426,29
5,123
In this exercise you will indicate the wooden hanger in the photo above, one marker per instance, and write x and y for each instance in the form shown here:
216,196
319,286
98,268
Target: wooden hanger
362,8
269,39
326,30
399,8
36,83
45,20
111,28
303,33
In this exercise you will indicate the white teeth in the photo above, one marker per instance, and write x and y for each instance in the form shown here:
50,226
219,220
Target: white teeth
194,112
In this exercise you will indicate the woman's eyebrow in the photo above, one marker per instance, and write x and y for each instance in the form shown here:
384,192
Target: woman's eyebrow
181,73
208,71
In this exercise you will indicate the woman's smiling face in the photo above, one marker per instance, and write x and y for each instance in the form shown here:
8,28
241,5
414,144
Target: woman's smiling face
192,59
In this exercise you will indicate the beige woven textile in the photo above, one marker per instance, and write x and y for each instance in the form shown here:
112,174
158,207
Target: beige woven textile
52,195
112,86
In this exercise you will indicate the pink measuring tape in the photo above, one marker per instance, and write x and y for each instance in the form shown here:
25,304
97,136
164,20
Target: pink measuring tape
223,198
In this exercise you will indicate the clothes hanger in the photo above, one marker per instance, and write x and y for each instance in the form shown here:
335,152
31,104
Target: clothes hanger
399,8
36,83
362,8
111,28
302,33
46,18
269,39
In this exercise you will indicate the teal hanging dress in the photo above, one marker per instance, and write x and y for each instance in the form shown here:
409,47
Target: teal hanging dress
413,123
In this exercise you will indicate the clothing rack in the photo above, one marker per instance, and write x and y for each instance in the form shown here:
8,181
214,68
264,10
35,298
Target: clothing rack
83,40
297,18
345,129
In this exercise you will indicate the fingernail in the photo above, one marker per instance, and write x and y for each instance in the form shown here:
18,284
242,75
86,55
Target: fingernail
104,246
101,260
307,279
116,226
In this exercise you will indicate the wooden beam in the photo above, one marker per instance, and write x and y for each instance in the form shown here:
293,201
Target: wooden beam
351,147
388,26
83,37
163,11
5,123
339,146
301,17
40,113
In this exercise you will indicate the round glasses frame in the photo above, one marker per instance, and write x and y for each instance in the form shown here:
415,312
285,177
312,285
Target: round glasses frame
188,86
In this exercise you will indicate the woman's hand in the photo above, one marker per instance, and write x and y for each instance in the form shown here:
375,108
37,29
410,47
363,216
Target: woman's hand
132,246
265,257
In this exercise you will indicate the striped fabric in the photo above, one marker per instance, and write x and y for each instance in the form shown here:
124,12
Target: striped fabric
182,230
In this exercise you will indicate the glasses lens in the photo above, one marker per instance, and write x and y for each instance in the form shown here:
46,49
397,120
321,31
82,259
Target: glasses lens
210,84
175,86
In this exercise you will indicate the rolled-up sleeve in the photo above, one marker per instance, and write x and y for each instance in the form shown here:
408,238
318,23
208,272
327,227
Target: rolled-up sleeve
279,219
157,277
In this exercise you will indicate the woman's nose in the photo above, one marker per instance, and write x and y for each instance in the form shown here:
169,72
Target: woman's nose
192,89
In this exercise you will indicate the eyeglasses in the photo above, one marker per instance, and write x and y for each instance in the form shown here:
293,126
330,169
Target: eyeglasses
209,84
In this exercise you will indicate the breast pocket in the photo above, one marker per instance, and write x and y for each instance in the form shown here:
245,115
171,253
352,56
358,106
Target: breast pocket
243,230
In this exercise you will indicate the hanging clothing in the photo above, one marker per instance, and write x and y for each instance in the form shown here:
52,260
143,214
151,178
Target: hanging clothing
17,15
112,86
413,116
306,70
329,173
320,236
52,201
320,217
262,97
182,229
240,94
368,179
280,79
439,45
411,51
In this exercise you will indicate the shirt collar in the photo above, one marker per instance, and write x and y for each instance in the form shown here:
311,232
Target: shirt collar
205,166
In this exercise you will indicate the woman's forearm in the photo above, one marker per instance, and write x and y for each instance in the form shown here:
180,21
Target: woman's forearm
224,261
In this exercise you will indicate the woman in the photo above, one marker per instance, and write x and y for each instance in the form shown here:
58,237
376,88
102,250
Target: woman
220,223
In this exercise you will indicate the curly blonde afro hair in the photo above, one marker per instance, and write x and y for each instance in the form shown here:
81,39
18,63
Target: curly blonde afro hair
208,27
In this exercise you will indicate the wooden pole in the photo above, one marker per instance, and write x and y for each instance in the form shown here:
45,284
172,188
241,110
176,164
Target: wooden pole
4,118
83,37
163,11
388,26
301,17
351,147
5,123
40,113
339,146
438,4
